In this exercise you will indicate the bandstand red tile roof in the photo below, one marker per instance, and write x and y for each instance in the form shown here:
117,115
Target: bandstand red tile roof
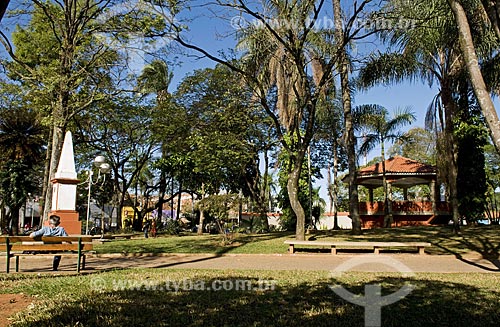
401,171
398,165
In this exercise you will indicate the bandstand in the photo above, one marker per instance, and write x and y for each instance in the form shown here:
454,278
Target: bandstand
402,173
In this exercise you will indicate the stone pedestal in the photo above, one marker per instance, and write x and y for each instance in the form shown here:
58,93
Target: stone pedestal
64,190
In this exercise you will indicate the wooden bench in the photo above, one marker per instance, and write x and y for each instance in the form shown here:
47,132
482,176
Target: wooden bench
18,246
376,246
125,236
111,237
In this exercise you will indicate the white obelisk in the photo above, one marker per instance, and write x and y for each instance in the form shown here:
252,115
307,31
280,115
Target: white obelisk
64,189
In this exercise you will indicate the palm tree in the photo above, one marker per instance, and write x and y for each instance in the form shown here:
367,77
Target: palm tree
428,52
21,138
381,128
330,127
278,58
156,78
343,67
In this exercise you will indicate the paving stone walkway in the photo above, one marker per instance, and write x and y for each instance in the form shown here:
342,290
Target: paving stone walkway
327,262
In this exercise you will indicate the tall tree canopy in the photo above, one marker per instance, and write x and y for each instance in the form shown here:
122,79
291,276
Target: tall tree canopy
58,57
293,58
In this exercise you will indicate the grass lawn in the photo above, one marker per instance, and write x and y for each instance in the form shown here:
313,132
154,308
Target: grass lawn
175,297
195,297
484,240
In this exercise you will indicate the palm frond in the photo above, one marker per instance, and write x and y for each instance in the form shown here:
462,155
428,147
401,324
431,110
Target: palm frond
368,143
402,117
434,111
367,116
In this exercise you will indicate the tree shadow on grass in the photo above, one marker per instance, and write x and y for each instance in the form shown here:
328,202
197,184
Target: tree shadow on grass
431,303
482,240
478,243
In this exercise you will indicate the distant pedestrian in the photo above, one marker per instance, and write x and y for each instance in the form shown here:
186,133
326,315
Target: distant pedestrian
153,228
145,228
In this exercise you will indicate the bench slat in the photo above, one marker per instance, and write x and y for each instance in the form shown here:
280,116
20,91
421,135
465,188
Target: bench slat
50,247
48,239
362,244
114,236
46,254
14,239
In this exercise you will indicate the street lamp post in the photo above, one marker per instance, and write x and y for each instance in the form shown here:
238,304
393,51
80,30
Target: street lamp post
104,168
32,211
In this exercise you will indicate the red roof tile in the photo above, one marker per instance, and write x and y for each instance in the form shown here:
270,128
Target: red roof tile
398,165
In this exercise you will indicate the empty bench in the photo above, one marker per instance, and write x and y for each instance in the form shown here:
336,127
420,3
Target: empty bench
111,237
123,236
376,246
18,246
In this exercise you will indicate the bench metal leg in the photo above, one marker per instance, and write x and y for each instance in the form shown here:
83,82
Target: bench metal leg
291,249
80,254
7,249
17,263
78,263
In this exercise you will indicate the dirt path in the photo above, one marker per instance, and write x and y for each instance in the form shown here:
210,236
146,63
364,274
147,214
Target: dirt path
10,304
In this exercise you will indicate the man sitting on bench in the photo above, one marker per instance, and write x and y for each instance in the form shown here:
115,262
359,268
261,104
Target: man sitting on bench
52,230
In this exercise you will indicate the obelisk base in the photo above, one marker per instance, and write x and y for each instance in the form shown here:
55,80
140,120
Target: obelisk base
69,220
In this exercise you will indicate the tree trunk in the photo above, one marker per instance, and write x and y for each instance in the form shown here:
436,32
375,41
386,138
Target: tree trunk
266,193
451,153
202,215
200,226
491,11
179,199
15,213
335,189
172,197
3,219
259,191
330,186
476,77
292,187
46,176
349,138
162,187
3,7
388,217
57,143
309,186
